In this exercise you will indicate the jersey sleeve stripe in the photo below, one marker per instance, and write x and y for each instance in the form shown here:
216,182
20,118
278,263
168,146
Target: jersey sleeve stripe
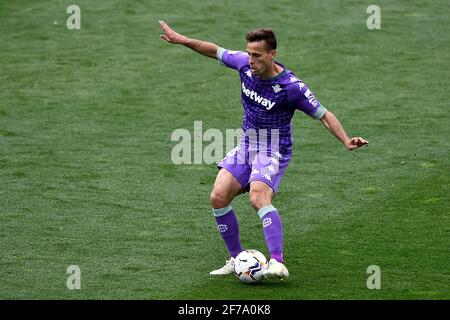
319,113
219,54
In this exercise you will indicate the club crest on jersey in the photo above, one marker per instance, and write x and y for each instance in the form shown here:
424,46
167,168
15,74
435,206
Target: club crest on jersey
257,98
276,88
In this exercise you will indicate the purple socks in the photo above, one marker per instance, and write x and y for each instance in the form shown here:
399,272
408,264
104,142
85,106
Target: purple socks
229,229
273,231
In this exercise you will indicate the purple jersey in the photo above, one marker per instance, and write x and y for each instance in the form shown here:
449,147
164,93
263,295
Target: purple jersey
271,103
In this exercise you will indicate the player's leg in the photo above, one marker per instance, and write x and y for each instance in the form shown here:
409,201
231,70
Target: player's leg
265,177
226,187
261,195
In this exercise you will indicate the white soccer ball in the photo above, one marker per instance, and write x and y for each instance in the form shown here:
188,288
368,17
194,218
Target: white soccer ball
249,266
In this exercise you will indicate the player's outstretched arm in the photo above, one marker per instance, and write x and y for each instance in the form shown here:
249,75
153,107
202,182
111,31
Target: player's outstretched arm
206,48
330,121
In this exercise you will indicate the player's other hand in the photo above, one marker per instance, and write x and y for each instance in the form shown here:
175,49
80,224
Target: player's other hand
170,35
355,143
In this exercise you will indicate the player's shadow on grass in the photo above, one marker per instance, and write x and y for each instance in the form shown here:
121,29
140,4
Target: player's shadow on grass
263,283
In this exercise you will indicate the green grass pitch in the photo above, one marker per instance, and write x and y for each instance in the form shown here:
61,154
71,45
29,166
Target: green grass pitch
86,177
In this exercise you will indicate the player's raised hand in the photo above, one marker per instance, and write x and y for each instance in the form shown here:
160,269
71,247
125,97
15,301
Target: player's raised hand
170,35
355,143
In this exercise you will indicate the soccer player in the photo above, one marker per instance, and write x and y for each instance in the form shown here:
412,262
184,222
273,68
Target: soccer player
270,95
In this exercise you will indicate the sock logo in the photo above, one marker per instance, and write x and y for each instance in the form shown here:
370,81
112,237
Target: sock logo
222,228
267,222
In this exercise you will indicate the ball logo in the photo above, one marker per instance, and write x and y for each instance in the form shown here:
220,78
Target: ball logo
222,228
253,269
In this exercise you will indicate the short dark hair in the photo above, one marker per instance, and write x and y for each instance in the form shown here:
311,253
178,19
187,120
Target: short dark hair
265,34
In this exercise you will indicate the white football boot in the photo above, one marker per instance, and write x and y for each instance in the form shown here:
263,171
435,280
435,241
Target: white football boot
228,268
276,270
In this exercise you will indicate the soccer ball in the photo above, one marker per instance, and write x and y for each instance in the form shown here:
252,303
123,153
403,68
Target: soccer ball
249,266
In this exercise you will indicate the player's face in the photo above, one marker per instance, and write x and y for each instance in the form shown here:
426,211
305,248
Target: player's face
260,58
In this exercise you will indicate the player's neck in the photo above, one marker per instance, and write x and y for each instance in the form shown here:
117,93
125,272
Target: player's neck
272,72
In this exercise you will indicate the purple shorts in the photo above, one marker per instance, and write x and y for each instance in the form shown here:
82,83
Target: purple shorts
264,166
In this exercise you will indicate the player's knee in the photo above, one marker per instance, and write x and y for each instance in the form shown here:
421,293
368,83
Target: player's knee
218,200
259,199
